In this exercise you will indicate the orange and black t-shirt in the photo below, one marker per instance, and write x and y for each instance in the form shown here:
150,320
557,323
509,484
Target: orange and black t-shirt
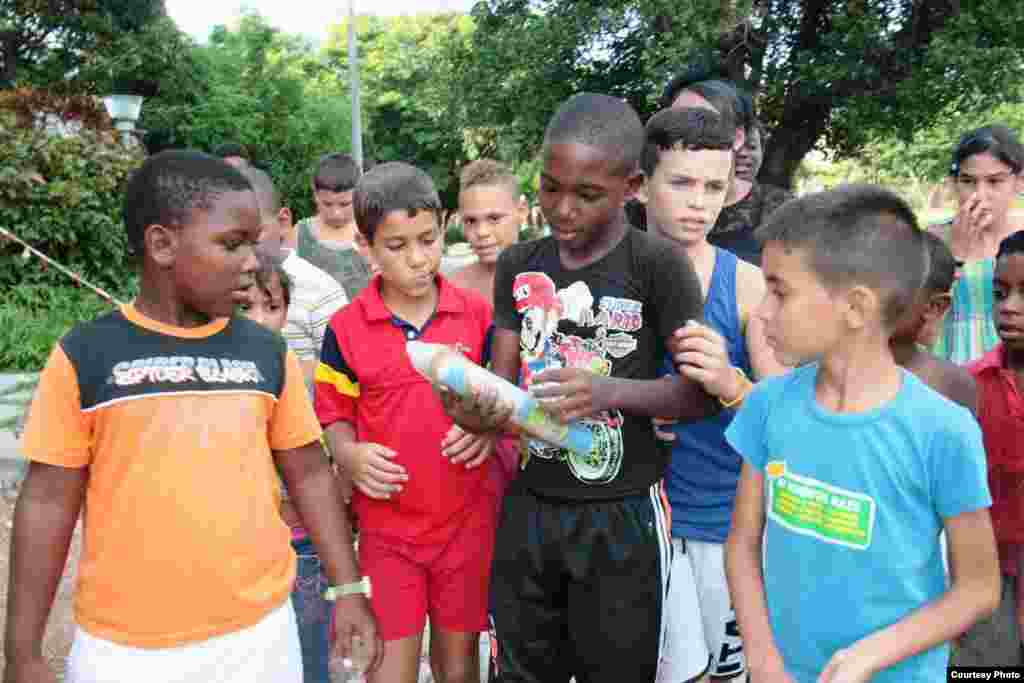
183,540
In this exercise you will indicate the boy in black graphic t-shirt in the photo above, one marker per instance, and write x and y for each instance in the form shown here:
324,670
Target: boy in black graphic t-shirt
583,318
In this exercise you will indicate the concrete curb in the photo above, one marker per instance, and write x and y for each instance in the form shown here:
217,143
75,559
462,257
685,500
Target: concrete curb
12,464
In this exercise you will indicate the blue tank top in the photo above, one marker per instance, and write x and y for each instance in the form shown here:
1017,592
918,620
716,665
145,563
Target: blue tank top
704,470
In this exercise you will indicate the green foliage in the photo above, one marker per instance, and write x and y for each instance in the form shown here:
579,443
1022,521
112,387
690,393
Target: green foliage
266,90
46,41
34,317
926,153
834,74
526,57
63,195
410,100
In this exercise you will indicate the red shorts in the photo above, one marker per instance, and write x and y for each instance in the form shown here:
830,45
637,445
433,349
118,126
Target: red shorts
449,582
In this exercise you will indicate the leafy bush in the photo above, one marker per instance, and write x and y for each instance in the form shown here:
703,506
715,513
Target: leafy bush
34,317
63,196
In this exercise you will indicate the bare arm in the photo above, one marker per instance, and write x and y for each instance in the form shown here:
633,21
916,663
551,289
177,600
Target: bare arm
308,370
964,390
974,594
743,570
505,354
44,521
311,484
314,491
338,436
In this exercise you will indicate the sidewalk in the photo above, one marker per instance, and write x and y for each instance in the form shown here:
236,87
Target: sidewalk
12,464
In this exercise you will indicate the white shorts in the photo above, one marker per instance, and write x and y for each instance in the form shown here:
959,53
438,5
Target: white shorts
699,617
266,651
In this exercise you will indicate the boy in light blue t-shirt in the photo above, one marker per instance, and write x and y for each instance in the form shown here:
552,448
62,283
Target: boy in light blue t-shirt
852,466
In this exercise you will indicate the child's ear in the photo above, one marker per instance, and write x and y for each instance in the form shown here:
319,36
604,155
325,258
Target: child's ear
939,305
361,241
634,181
862,306
641,193
161,244
741,139
284,217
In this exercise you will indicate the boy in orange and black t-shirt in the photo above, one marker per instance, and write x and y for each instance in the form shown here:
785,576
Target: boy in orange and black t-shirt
168,418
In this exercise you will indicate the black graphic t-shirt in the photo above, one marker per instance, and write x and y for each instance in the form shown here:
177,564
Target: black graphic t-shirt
611,317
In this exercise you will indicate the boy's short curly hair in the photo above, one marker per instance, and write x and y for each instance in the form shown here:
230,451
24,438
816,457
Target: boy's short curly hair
170,186
488,173
684,128
336,172
393,186
603,122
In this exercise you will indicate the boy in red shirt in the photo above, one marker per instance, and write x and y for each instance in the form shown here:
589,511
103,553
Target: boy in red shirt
999,375
426,509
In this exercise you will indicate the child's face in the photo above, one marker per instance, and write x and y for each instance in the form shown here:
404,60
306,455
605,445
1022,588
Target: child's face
408,252
801,317
935,313
922,322
334,208
988,181
211,258
582,193
686,192
491,217
1008,291
266,305
750,156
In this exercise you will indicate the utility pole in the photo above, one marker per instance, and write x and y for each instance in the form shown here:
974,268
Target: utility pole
353,73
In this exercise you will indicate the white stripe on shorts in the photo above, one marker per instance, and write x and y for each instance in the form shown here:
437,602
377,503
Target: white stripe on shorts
266,651
663,531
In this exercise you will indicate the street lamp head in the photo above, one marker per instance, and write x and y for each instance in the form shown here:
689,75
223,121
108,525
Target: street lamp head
124,110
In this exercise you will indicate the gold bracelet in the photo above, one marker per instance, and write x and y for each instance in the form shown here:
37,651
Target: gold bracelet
747,385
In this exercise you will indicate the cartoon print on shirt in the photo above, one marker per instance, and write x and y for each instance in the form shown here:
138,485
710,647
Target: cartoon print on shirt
543,347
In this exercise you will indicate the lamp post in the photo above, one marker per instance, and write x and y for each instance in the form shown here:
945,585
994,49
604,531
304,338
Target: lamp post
353,74
124,110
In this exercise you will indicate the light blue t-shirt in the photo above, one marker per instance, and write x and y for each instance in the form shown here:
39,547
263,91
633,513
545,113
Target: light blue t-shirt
854,507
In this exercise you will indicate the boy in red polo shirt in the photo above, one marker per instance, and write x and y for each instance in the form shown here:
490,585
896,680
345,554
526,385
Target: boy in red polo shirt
426,509
999,375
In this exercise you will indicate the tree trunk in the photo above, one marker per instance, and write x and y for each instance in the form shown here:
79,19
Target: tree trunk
803,119
9,54
802,125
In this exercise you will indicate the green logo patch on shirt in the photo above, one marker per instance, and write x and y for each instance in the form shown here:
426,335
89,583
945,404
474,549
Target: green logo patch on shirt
813,508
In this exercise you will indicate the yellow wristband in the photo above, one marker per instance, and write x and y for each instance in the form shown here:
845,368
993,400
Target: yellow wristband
747,385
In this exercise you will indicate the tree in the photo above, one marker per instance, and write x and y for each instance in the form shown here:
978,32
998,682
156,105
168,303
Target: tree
410,98
43,41
265,89
826,73
926,154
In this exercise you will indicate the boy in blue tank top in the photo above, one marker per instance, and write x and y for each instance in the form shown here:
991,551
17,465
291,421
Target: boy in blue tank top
688,166
853,466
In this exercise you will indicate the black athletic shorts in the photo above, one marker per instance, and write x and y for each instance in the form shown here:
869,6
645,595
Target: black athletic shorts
577,588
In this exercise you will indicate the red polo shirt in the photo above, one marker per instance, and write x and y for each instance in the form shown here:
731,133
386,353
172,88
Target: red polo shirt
365,378
1001,414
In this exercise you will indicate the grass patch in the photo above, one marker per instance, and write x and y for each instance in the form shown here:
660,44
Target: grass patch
33,318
